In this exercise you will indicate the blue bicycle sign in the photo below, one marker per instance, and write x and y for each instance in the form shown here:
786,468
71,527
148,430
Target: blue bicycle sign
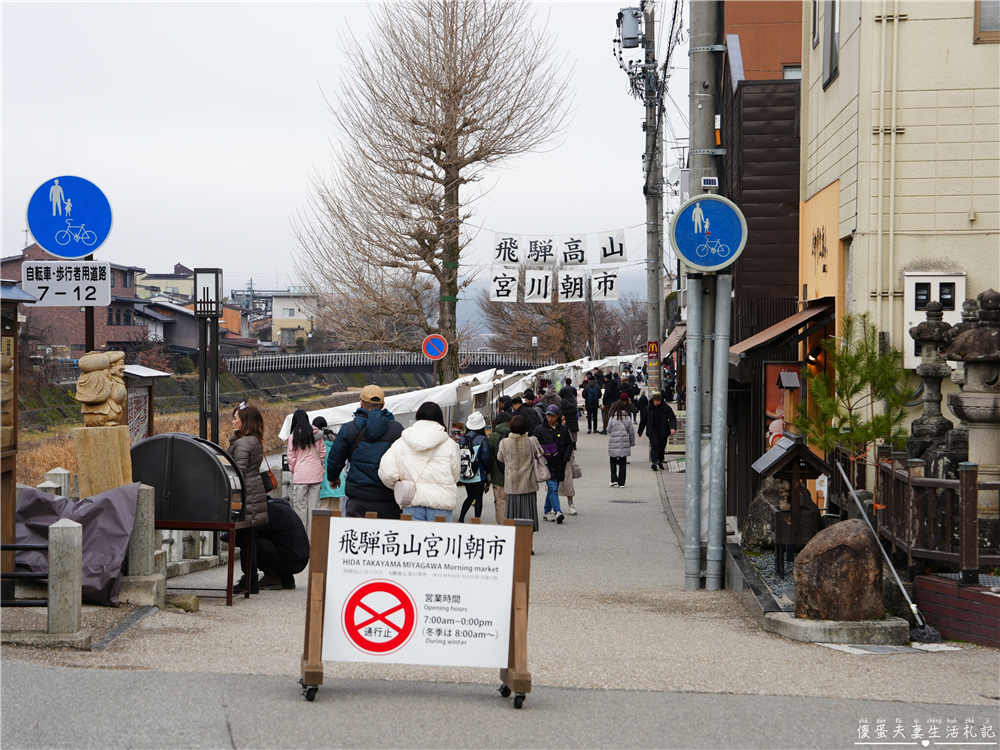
69,217
708,233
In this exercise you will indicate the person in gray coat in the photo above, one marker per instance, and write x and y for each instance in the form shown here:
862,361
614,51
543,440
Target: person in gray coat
621,438
246,446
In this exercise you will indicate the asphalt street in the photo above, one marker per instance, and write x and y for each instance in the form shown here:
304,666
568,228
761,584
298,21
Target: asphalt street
620,655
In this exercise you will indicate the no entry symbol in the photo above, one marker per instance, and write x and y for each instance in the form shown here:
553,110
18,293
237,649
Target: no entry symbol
379,617
435,346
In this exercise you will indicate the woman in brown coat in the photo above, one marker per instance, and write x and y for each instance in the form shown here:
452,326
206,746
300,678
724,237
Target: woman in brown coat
517,453
246,446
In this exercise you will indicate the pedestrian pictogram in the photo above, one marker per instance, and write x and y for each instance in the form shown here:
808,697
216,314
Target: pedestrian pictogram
435,346
379,617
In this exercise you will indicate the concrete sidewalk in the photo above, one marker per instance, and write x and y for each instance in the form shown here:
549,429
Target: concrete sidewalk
608,611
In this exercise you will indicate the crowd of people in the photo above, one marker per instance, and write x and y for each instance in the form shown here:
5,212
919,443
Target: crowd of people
362,467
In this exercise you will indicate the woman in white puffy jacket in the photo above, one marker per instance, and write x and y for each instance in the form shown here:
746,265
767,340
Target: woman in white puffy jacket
427,456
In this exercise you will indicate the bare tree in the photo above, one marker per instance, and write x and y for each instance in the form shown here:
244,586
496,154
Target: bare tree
447,90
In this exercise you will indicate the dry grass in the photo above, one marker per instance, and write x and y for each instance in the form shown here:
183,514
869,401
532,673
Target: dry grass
40,453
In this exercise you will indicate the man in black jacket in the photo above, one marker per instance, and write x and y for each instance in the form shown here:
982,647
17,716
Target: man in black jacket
281,546
363,442
569,408
592,400
612,390
661,423
557,446
528,412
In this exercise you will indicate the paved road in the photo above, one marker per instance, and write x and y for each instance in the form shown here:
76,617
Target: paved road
620,656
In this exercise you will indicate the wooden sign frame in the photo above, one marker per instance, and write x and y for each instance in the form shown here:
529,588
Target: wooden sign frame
514,678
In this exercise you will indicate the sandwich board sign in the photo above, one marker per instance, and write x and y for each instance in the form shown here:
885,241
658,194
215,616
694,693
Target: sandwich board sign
69,217
410,592
418,593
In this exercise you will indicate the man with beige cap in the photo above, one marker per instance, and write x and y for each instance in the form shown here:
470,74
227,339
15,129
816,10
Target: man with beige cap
363,442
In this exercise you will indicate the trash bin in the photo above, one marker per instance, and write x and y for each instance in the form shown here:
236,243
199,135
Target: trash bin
194,480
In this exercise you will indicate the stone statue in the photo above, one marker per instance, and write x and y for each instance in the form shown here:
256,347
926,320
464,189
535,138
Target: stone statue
101,388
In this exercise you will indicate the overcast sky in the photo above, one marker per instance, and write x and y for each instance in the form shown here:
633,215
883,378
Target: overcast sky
202,123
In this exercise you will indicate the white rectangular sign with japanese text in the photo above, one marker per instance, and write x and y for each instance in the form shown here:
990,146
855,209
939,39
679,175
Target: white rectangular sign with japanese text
412,592
68,283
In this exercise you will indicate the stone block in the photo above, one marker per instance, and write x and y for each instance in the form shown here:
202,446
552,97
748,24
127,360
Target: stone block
103,458
838,575
65,577
891,631
63,478
49,488
144,591
144,540
185,602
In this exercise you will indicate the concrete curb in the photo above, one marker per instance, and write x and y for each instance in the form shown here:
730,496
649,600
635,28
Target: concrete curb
892,631
80,640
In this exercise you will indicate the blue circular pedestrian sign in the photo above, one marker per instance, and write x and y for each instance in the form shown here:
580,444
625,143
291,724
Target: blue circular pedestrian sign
435,346
708,232
69,217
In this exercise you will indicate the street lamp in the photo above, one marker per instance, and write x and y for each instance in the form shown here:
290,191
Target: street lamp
208,309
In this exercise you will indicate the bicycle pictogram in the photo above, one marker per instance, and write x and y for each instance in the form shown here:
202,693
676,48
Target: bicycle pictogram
714,246
85,236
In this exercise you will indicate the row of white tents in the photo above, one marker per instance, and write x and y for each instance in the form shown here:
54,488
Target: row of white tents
470,393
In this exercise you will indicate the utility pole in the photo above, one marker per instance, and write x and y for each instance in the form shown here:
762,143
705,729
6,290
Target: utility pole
652,190
701,288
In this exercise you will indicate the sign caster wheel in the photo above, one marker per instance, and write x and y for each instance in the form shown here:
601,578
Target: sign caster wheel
504,691
309,691
518,700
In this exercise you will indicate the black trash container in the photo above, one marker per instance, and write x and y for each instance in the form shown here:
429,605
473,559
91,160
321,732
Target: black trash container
194,480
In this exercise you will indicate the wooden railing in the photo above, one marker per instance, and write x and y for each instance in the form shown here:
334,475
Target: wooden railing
936,519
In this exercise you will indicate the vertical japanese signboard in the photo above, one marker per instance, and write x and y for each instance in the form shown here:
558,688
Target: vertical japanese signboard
409,592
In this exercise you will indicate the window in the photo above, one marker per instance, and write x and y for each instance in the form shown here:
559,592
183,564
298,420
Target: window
922,294
118,316
111,316
127,316
815,23
112,278
288,312
918,348
831,41
127,279
792,72
946,295
987,19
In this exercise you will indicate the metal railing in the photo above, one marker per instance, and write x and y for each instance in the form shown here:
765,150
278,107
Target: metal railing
370,359
936,519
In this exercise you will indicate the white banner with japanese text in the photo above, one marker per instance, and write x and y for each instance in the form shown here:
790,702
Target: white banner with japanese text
604,285
613,247
573,250
411,592
537,286
506,249
572,286
503,284
540,250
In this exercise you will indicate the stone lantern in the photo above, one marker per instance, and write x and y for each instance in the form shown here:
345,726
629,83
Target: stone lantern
978,405
931,427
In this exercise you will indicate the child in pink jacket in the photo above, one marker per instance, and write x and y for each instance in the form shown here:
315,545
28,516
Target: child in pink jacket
307,460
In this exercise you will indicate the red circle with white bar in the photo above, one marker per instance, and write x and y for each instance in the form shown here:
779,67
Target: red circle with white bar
379,617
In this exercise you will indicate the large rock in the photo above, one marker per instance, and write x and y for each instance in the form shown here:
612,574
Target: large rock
838,575
758,529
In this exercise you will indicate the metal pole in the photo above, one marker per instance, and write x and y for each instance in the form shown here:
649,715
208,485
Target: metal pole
215,379
89,339
692,439
654,289
202,378
720,395
702,96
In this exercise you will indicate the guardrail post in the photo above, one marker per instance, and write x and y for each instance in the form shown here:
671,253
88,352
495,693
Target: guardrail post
61,477
65,577
968,524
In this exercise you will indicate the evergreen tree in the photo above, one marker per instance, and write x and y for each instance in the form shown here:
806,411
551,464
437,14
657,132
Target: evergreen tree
858,400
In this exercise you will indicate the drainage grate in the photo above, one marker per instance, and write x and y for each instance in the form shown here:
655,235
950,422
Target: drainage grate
628,502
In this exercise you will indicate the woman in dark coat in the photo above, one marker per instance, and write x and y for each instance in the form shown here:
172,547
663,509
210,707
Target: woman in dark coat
246,447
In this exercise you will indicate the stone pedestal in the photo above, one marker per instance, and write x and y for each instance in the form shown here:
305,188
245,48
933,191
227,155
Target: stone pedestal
103,459
145,584
63,479
65,577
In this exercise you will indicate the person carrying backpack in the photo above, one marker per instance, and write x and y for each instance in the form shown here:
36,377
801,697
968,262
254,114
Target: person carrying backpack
474,464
